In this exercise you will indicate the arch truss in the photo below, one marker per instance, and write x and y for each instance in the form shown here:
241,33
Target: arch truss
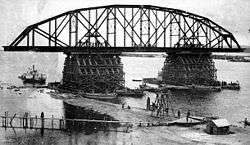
126,28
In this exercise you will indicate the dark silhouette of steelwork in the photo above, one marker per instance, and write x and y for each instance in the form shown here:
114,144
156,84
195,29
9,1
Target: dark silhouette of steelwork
91,38
121,28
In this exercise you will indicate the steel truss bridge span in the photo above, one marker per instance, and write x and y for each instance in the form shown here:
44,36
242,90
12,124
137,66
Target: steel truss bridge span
126,28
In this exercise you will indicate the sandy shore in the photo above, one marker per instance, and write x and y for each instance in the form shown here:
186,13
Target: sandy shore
163,134
154,135
171,135
115,110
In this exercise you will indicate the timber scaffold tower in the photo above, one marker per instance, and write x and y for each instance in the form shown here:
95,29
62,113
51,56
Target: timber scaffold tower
93,72
100,34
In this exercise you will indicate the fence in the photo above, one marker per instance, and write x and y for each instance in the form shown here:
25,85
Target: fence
34,122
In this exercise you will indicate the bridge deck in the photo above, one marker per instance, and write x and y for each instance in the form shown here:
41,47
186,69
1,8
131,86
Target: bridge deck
116,49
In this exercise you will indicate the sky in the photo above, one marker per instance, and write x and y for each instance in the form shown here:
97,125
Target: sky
16,15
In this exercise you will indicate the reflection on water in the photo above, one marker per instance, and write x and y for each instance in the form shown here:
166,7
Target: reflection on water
38,102
73,112
232,105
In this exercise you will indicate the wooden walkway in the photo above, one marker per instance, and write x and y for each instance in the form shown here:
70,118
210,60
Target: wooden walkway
192,120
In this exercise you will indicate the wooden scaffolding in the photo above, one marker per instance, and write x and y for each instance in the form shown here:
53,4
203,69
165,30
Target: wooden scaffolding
163,105
188,69
99,73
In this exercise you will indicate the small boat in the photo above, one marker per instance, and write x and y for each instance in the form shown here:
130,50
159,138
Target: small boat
205,88
100,96
231,86
33,76
11,87
130,92
145,87
135,80
152,80
192,88
239,60
245,122
16,89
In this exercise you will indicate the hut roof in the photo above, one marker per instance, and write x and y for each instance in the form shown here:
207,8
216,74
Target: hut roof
221,122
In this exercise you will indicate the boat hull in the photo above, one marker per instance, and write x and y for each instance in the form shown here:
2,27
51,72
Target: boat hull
34,81
192,88
33,76
136,94
100,96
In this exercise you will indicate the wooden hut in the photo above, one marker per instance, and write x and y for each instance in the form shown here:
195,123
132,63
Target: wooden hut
218,127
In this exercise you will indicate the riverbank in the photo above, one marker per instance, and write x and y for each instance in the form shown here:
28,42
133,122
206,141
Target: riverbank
156,135
116,111
139,135
163,134
147,135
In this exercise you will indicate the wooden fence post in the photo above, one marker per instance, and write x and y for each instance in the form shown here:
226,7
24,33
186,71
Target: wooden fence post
36,120
52,122
60,124
25,122
42,123
2,121
26,119
31,122
20,122
5,119
63,123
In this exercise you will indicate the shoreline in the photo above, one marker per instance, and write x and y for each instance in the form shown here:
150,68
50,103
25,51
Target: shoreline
139,135
159,134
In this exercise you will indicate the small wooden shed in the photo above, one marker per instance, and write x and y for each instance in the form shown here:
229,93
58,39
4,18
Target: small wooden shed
218,127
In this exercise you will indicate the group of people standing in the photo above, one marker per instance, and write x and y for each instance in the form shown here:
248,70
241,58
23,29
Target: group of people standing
153,107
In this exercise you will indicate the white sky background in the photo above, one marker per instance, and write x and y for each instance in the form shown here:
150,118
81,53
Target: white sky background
16,15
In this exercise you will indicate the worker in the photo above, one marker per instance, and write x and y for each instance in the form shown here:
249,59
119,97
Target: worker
42,123
179,114
167,111
148,104
188,115
153,108
157,96
245,122
158,111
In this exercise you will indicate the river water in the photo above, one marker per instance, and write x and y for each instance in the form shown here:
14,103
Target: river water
229,104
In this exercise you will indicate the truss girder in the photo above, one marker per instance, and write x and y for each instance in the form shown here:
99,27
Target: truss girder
134,26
